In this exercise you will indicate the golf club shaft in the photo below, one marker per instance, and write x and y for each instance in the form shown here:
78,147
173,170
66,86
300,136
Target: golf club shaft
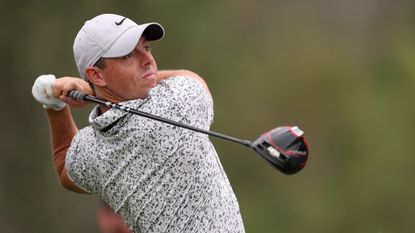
77,95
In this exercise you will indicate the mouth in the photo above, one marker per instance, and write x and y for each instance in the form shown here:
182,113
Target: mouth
150,75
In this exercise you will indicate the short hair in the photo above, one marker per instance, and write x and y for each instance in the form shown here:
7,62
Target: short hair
100,63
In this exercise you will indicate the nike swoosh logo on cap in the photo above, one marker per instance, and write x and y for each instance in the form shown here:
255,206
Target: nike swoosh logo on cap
119,23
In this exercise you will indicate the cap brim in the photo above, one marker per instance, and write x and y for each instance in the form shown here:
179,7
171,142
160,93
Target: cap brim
128,40
153,31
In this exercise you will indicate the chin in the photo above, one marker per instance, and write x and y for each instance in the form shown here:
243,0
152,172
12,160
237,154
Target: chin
154,84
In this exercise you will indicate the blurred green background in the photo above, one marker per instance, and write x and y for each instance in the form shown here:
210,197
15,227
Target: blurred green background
344,71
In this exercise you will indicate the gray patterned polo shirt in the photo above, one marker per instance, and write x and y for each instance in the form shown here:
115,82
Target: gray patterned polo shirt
159,177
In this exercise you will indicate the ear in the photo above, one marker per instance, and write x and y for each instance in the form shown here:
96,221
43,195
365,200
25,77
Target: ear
94,75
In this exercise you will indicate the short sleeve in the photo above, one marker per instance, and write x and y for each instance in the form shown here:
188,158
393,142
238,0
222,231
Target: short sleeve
79,160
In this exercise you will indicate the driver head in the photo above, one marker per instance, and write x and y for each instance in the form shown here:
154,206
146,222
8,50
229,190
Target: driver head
284,147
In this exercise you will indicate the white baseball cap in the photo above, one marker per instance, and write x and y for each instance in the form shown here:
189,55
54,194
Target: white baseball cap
109,36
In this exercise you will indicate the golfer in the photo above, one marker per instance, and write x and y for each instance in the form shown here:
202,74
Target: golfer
158,177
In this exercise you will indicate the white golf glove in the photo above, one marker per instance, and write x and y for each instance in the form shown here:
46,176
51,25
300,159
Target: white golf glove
42,90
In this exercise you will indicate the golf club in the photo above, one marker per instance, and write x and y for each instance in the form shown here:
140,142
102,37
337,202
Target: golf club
284,147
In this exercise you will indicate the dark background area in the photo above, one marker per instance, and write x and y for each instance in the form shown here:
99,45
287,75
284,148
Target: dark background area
343,71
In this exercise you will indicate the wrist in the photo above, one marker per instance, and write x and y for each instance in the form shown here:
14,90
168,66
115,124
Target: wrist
55,107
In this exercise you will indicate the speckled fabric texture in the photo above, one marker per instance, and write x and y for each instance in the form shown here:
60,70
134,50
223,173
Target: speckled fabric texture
159,177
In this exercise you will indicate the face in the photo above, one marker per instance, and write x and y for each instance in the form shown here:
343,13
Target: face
129,77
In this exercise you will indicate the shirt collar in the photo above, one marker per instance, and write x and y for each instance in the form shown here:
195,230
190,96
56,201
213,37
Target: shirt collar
103,121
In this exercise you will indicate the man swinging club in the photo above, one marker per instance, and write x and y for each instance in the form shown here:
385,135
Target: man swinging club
158,177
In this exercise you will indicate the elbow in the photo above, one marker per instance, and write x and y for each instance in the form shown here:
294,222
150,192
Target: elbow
64,182
68,184
64,179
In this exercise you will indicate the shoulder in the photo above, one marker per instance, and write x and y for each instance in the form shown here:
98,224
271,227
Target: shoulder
80,162
191,75
82,146
183,88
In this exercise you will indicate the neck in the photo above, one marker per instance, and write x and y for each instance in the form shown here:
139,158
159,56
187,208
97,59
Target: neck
106,95
102,110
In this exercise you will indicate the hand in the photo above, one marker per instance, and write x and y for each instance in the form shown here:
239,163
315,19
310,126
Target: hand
62,87
52,92
42,91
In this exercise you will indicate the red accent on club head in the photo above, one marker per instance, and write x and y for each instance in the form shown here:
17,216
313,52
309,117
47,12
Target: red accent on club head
286,152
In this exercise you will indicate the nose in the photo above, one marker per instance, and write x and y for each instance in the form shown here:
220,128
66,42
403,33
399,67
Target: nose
145,57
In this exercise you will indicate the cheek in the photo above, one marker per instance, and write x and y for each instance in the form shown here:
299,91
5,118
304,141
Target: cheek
117,76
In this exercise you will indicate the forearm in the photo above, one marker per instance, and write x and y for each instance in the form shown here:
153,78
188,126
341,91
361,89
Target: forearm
163,74
62,130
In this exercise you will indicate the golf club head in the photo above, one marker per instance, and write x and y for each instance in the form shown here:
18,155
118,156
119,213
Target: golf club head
284,147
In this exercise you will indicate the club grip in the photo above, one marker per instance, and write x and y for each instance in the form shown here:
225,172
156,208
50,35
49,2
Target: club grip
77,95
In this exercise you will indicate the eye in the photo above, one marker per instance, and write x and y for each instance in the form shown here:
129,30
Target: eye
147,48
129,55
